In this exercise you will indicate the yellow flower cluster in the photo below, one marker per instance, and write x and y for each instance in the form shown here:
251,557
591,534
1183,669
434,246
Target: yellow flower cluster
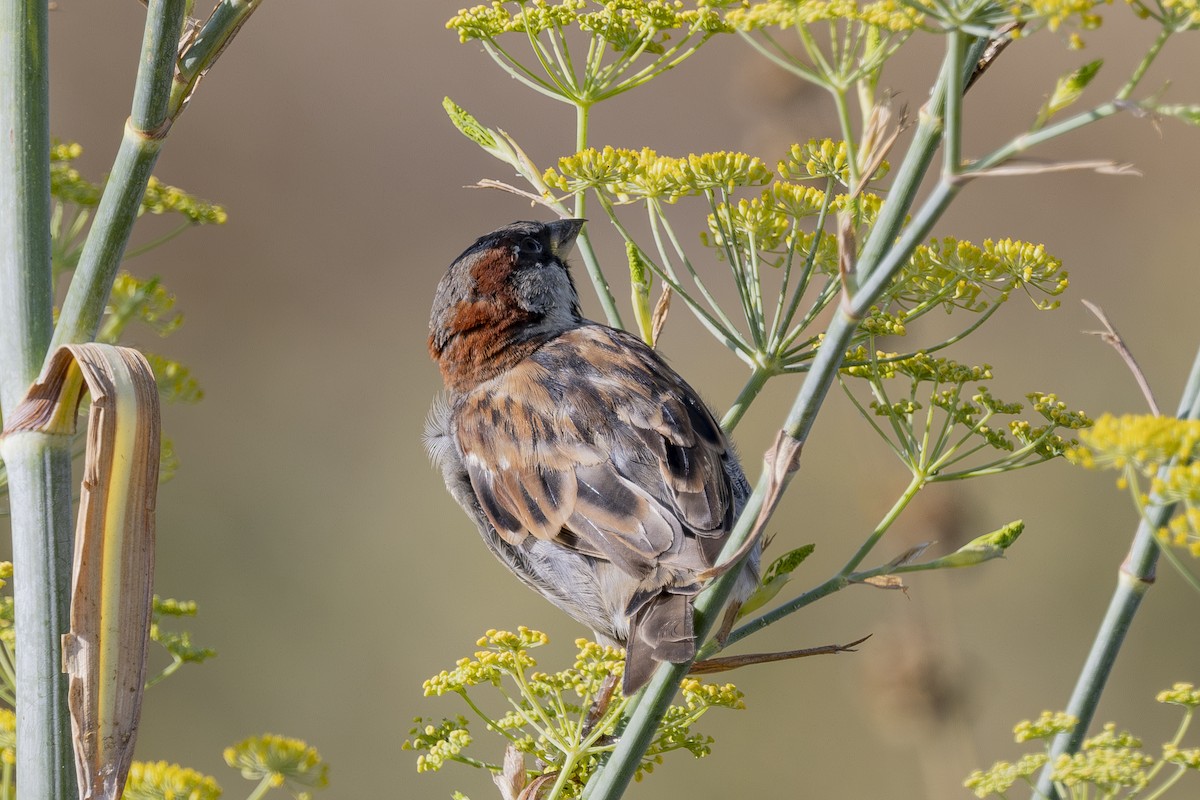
66,184
1050,723
959,274
1141,441
1188,758
881,323
641,174
1106,765
163,199
544,721
159,780
506,655
620,23
817,158
887,15
1000,778
697,694
8,736
1183,12
1055,12
441,743
279,760
1180,694
1109,769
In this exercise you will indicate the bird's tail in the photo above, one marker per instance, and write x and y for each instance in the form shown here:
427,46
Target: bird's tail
660,630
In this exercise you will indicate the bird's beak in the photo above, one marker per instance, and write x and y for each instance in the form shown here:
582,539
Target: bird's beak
562,235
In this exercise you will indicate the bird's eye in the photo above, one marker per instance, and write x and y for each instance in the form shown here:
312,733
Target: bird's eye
531,245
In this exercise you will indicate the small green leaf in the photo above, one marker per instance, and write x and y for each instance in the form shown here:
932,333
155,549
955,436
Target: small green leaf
468,126
787,563
1068,90
981,549
775,577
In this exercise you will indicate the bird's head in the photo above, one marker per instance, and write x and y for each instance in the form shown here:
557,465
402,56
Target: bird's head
510,289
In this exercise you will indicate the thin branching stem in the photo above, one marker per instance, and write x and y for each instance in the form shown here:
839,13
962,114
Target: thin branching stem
667,275
758,379
1140,71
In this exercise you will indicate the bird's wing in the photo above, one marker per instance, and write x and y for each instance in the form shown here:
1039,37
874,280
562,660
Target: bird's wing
594,442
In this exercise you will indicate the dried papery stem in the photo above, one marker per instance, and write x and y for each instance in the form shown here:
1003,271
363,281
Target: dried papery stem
105,651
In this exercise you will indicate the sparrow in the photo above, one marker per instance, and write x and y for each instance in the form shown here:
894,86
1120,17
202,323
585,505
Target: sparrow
590,468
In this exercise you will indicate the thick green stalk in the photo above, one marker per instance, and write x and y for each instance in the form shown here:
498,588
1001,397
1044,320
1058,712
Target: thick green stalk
1134,579
25,294
39,469
612,779
39,481
144,131
912,171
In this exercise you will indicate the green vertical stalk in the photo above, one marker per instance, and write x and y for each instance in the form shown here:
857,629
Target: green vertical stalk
584,245
1134,579
912,171
145,129
613,778
39,486
39,469
25,316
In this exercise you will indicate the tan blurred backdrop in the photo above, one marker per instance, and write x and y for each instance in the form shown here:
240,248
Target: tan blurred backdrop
333,572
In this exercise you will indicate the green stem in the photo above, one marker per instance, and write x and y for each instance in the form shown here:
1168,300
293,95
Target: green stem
758,379
952,136
564,775
915,485
145,129
1145,63
845,576
8,674
612,779
261,790
159,242
584,245
1027,141
486,719
842,105
167,672
913,169
1167,784
38,466
1134,579
666,273
226,20
659,222
39,480
25,290
1179,732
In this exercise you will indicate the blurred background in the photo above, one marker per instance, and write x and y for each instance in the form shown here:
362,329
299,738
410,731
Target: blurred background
334,573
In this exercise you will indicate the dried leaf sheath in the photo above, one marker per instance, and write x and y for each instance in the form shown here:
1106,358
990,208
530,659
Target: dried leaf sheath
105,652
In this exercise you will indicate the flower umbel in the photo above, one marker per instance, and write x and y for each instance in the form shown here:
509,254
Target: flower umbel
558,717
1108,764
279,761
162,781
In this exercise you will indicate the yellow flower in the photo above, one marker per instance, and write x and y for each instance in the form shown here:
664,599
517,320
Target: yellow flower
278,760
